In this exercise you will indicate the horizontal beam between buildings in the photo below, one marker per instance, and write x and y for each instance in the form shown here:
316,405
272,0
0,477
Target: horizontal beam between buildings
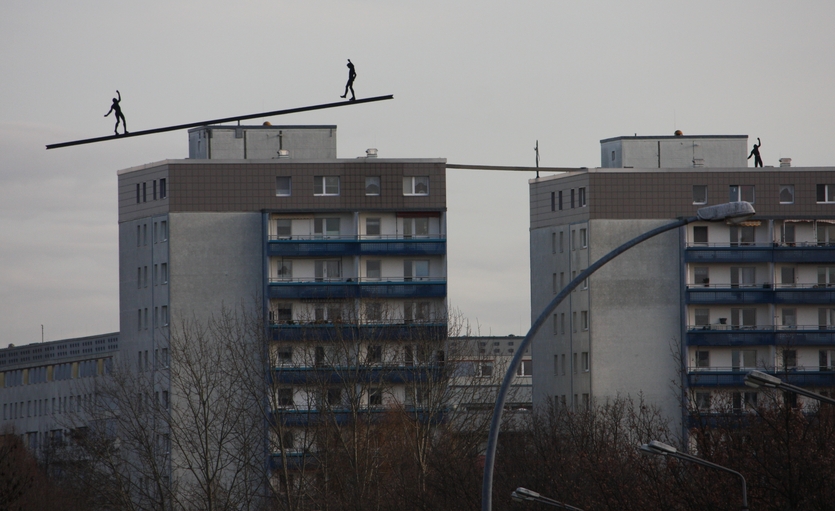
514,168
220,121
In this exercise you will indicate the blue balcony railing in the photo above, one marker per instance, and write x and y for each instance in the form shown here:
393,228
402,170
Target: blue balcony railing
308,246
803,252
760,335
338,332
730,377
352,288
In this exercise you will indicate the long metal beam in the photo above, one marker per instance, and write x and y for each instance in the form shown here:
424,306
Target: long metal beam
219,121
513,168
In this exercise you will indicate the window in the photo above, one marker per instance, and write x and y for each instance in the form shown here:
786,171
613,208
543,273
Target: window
584,319
374,312
788,233
372,270
415,270
745,319
572,198
702,359
581,197
789,359
284,270
585,360
163,189
554,318
700,235
742,235
326,227
372,185
562,279
825,193
554,283
562,241
416,312
789,318
416,227
553,201
282,186
826,319
144,192
415,185
372,227
334,396
375,396
526,367
701,276
786,194
154,194
137,194
485,369
743,400
553,243
826,360
326,185
741,193
826,233
745,276
702,317
562,323
787,276
284,397
327,270
164,317
743,359
284,228
574,363
562,363
574,239
826,276
699,194
583,238
559,199
703,401
375,354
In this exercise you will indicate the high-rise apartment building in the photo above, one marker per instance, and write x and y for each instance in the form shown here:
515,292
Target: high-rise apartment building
681,318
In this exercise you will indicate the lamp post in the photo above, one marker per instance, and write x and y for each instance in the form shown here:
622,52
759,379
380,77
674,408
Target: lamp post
662,449
757,379
524,494
731,211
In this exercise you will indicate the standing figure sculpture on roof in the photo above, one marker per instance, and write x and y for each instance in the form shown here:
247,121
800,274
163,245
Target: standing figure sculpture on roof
755,152
350,85
117,110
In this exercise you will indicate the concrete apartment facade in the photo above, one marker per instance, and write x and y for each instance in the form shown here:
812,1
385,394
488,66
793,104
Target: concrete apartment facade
681,318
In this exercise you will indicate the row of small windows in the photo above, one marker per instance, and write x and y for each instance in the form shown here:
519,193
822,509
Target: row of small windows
560,363
824,193
160,233
559,322
558,240
142,190
43,407
557,203
56,372
330,186
159,276
160,317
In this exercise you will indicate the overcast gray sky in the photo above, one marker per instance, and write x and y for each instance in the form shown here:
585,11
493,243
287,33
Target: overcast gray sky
476,82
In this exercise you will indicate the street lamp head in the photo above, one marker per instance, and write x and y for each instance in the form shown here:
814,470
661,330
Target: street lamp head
525,494
732,211
760,379
659,448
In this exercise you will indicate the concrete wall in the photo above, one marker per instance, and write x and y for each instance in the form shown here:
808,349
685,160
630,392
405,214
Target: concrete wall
674,152
636,314
216,262
261,142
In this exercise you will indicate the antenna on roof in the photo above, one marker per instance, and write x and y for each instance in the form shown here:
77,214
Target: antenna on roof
537,158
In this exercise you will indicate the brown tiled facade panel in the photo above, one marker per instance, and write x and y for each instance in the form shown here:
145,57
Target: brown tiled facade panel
633,194
248,186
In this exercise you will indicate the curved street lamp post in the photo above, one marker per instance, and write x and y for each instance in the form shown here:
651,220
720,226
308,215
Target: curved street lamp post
757,379
731,211
524,494
662,449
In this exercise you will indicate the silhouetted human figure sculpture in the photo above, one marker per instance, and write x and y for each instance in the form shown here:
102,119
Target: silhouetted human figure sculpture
755,152
350,85
117,110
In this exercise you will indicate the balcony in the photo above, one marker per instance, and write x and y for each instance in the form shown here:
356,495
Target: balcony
729,293
353,287
332,246
801,252
735,377
332,375
333,332
760,335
